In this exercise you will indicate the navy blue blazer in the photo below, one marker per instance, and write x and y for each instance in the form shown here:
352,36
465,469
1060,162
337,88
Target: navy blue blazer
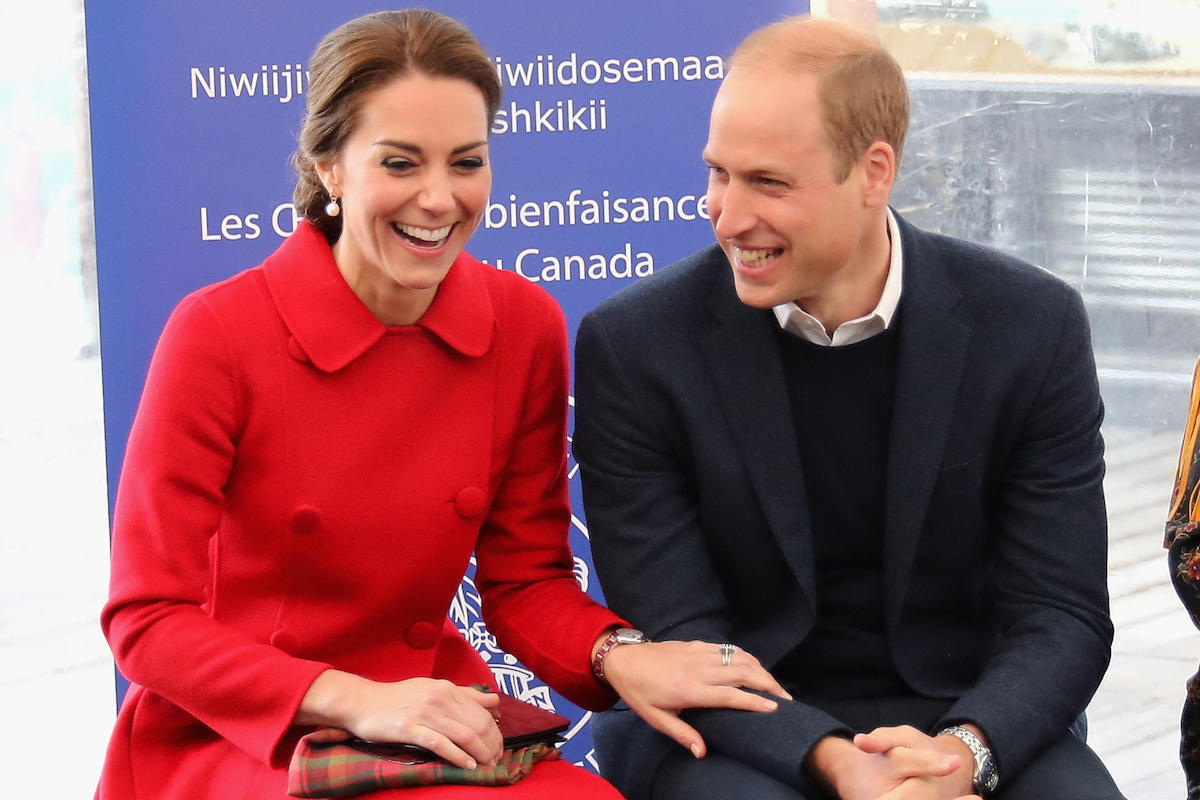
996,537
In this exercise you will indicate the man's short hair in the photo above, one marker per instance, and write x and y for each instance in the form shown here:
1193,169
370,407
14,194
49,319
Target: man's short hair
860,86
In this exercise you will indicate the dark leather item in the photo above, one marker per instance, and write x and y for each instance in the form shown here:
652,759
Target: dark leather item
521,724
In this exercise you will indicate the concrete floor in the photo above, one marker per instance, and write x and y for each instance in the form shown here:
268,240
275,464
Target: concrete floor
56,674
1135,714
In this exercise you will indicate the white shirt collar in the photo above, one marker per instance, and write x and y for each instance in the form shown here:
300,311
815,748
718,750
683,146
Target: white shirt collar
793,319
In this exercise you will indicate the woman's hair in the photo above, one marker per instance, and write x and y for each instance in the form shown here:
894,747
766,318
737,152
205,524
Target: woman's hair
363,55
860,86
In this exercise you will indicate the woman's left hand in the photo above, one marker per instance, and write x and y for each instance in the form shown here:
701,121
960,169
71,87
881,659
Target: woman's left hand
660,679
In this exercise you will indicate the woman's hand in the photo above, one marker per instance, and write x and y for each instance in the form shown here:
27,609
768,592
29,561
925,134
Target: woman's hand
455,722
660,679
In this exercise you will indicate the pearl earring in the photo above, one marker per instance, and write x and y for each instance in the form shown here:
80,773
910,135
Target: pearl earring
332,208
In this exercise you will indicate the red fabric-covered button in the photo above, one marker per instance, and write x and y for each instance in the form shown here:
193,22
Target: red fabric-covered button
470,502
422,635
296,351
285,641
306,519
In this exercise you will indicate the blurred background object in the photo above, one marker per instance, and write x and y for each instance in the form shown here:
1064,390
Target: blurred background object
56,675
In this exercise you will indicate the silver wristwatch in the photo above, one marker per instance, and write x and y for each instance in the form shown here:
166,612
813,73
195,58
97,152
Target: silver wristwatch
985,777
618,637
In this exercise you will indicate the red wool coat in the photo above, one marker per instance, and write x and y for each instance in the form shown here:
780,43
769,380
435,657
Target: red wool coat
303,488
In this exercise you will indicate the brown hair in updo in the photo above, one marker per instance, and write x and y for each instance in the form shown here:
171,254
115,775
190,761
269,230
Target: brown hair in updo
362,55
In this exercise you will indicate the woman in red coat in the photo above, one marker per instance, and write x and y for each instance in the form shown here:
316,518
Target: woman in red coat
325,439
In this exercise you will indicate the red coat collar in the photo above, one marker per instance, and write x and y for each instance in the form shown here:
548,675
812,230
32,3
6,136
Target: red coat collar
332,326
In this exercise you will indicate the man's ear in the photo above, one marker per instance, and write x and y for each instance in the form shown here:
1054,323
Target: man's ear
878,166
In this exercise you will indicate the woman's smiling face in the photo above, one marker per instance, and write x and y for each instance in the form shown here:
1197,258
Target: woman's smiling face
413,180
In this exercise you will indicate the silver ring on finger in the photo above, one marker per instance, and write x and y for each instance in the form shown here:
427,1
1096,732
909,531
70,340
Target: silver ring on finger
726,650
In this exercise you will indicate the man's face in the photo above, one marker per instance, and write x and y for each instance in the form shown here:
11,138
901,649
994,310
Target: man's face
790,229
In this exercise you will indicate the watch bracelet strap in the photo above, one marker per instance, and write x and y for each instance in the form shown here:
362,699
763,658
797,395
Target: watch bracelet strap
979,751
598,659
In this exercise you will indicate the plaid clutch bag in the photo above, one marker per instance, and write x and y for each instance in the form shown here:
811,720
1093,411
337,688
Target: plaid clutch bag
333,763
327,764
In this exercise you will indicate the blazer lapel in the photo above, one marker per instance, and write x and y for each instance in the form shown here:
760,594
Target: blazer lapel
932,355
743,358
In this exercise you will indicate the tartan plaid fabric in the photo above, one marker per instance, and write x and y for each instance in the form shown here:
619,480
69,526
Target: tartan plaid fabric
324,765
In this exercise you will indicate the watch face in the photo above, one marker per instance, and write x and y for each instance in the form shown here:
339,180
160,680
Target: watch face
630,636
988,776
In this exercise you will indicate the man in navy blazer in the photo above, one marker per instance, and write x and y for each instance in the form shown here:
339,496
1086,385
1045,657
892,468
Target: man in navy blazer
867,456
